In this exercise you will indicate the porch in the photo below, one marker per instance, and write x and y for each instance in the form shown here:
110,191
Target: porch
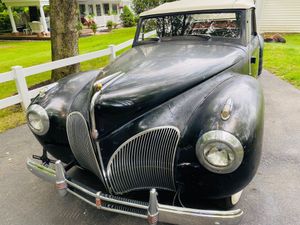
102,10
23,36
40,25
85,32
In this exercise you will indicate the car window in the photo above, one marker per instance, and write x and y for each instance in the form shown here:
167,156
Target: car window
183,26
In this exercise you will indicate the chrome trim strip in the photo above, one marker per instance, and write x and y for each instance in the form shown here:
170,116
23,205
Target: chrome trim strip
81,189
165,213
94,131
130,204
124,213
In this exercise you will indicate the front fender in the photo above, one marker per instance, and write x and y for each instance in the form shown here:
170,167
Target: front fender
71,93
246,119
246,123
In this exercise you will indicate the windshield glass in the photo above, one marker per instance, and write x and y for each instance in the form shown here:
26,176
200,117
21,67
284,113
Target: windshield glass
204,26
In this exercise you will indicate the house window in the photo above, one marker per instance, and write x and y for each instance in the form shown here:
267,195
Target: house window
106,9
82,9
91,9
115,9
98,10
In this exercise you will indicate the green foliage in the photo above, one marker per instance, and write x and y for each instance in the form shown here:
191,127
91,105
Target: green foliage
94,28
2,6
18,13
114,13
79,26
127,17
109,25
47,10
5,21
140,6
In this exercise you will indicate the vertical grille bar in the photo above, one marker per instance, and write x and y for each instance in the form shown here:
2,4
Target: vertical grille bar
145,161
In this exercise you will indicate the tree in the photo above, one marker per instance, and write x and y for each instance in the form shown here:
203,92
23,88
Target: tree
127,17
64,34
140,6
2,6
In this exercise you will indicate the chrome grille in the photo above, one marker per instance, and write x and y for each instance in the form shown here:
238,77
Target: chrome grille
145,161
80,143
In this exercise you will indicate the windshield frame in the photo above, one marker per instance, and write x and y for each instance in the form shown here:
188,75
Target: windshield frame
242,40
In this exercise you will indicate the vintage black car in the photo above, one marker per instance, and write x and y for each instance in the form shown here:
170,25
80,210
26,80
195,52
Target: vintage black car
179,116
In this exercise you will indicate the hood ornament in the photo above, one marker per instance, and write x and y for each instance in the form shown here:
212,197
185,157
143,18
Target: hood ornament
98,86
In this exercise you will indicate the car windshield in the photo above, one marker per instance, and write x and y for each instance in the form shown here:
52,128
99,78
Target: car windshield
203,26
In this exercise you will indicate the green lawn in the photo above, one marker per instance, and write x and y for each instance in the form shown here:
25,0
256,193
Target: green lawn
284,59
29,53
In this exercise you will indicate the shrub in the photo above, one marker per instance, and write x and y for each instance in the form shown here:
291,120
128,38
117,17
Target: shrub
94,28
109,25
5,21
127,17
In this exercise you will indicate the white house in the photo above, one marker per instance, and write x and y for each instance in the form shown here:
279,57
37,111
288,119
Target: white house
272,15
278,15
103,10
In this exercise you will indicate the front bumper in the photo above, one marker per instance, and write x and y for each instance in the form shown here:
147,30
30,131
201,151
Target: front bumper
151,211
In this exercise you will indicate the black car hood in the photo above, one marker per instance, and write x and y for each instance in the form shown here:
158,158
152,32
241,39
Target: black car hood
152,74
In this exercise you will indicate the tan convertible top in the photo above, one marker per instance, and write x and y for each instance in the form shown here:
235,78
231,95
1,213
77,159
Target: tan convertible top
195,5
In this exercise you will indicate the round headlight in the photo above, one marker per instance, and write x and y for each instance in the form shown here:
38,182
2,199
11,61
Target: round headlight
38,119
219,152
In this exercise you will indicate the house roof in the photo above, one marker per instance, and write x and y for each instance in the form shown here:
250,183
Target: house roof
198,5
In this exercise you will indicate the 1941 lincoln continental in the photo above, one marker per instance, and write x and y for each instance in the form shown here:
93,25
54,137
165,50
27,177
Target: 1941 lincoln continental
178,118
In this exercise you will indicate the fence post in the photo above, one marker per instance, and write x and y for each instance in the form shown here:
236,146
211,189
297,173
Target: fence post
113,54
21,85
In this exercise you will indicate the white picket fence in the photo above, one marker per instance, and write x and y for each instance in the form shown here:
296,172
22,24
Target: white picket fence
18,73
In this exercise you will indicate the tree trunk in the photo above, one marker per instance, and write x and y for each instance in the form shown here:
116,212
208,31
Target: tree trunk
64,34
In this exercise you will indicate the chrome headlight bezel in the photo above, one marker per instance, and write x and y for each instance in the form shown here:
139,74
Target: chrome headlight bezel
39,111
220,137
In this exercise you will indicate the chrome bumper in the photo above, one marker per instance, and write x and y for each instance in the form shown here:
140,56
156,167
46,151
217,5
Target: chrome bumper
152,211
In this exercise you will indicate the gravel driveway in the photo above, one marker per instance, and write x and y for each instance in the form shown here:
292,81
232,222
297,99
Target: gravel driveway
271,199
